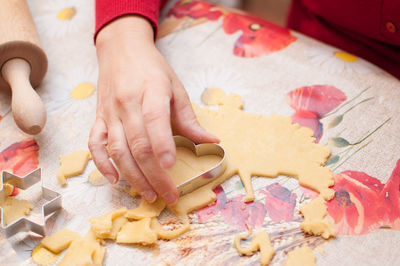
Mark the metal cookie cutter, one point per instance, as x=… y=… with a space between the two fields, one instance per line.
x=53 y=203
x=200 y=150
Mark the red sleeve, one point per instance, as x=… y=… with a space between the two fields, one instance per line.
x=108 y=10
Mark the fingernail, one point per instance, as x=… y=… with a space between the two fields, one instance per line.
x=149 y=196
x=167 y=160
x=170 y=198
x=111 y=179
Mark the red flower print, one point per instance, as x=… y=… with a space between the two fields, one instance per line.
x=235 y=211
x=311 y=103
x=259 y=37
x=363 y=204
x=279 y=202
x=195 y=9
x=20 y=157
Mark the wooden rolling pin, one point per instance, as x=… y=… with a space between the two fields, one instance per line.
x=23 y=64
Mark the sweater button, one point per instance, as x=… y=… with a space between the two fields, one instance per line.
x=391 y=27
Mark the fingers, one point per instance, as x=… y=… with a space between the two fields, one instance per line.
x=185 y=119
x=122 y=157
x=156 y=117
x=142 y=151
x=97 y=146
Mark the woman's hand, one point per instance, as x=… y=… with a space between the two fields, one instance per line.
x=138 y=94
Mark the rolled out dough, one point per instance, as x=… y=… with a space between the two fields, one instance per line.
x=215 y=96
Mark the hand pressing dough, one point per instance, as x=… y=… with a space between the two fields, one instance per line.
x=138 y=232
x=146 y=210
x=43 y=256
x=102 y=226
x=189 y=165
x=215 y=96
x=72 y=164
x=97 y=179
x=301 y=256
x=14 y=208
x=59 y=241
x=260 y=241
x=315 y=220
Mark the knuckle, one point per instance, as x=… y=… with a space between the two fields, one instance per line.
x=141 y=149
x=115 y=150
x=152 y=116
x=124 y=97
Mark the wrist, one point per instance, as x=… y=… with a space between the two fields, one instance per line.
x=130 y=29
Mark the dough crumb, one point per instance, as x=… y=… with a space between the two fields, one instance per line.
x=315 y=220
x=72 y=164
x=97 y=179
x=138 y=232
x=59 y=241
x=260 y=241
x=216 y=96
x=300 y=256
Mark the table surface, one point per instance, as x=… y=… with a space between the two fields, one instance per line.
x=350 y=104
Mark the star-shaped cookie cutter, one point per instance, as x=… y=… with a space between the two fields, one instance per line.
x=24 y=223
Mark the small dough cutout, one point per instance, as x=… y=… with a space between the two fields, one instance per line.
x=72 y=164
x=300 y=256
x=97 y=179
x=59 y=241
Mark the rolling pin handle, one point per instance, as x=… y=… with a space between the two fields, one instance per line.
x=27 y=107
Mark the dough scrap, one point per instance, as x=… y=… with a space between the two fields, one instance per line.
x=138 y=232
x=216 y=96
x=14 y=208
x=260 y=241
x=117 y=224
x=315 y=220
x=97 y=179
x=72 y=164
x=59 y=241
x=43 y=256
x=146 y=210
x=102 y=226
x=83 y=252
x=300 y=256
x=170 y=234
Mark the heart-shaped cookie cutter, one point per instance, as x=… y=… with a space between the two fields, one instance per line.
x=53 y=203
x=200 y=150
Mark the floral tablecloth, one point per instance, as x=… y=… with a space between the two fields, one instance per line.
x=351 y=105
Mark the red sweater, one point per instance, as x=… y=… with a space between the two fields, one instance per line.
x=367 y=28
